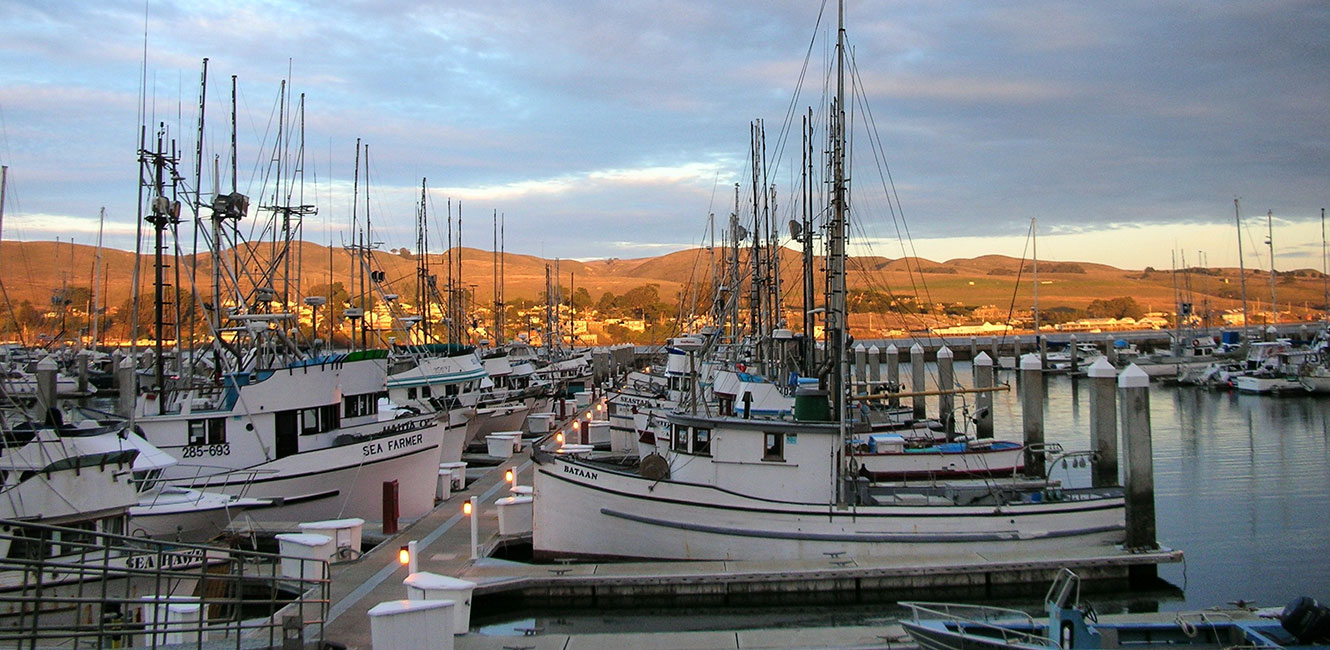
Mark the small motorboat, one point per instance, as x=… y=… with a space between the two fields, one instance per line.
x=1304 y=623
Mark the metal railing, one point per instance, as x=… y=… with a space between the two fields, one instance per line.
x=77 y=588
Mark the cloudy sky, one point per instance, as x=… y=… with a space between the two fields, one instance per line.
x=613 y=128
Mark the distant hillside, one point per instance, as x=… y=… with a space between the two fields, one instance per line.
x=37 y=271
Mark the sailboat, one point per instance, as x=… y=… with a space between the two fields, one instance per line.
x=747 y=487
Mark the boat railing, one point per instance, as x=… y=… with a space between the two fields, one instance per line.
x=991 y=622
x=73 y=587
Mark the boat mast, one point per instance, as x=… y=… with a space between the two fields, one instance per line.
x=494 y=337
x=1242 y=270
x=96 y=274
x=1270 y=241
x=810 y=345
x=836 y=257
x=1325 y=286
x=1034 y=254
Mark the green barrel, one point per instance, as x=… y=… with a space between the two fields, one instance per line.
x=811 y=405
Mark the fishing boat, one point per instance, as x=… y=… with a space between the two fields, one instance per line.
x=739 y=483
x=1304 y=623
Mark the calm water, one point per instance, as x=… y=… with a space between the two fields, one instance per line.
x=1242 y=487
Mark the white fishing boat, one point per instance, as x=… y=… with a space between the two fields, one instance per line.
x=307 y=435
x=736 y=485
x=442 y=379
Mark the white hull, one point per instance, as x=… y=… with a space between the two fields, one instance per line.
x=1253 y=384
x=583 y=510
x=342 y=481
x=1316 y=383
x=190 y=516
x=503 y=417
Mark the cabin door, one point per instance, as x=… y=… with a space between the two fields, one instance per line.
x=288 y=433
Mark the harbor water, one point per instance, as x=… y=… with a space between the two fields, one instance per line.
x=1242 y=487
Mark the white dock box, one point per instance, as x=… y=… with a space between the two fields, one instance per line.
x=499 y=445
x=458 y=470
x=304 y=553
x=345 y=534
x=597 y=432
x=423 y=585
x=443 y=490
x=539 y=423
x=514 y=515
x=522 y=490
x=164 y=616
x=411 y=625
x=582 y=400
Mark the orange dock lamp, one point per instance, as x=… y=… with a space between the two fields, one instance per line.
x=509 y=476
x=469 y=509
x=406 y=555
x=558 y=437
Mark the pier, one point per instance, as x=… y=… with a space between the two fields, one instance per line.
x=443 y=546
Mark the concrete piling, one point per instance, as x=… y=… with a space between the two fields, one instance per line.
x=82 y=361
x=1042 y=343
x=1134 y=402
x=46 y=371
x=1103 y=423
x=894 y=373
x=946 y=380
x=860 y=366
x=974 y=348
x=125 y=380
x=917 y=375
x=874 y=369
x=1075 y=355
x=1032 y=413
x=983 y=413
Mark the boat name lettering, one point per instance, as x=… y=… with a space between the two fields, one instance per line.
x=403 y=427
x=578 y=471
x=373 y=448
x=403 y=443
x=636 y=401
x=172 y=560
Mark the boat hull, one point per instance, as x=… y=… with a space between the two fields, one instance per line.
x=588 y=511
x=927 y=463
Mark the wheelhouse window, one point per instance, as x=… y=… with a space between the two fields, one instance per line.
x=773 y=447
x=679 y=438
x=701 y=441
x=425 y=392
x=358 y=405
x=319 y=419
x=411 y=392
x=207 y=431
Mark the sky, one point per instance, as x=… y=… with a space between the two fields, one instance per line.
x=613 y=129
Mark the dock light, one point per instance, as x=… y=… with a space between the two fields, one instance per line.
x=466 y=508
x=508 y=475
x=404 y=555
x=475 y=525
x=558 y=437
x=577 y=425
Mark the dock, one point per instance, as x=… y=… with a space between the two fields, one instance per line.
x=443 y=539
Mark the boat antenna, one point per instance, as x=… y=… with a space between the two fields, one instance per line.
x=1242 y=270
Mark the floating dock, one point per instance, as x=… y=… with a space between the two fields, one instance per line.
x=443 y=539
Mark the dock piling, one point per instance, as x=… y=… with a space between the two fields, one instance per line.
x=46 y=370
x=860 y=366
x=983 y=413
x=1032 y=413
x=1103 y=423
x=127 y=385
x=894 y=374
x=1075 y=355
x=917 y=374
x=874 y=369
x=1134 y=388
x=946 y=380
x=82 y=358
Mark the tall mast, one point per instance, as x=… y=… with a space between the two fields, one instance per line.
x=810 y=345
x=503 y=304
x=96 y=273
x=452 y=308
x=1034 y=253
x=355 y=254
x=1325 y=284
x=836 y=315
x=4 y=182
x=1270 y=241
x=494 y=337
x=1242 y=270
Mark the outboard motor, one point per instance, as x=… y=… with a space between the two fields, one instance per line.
x=1306 y=619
